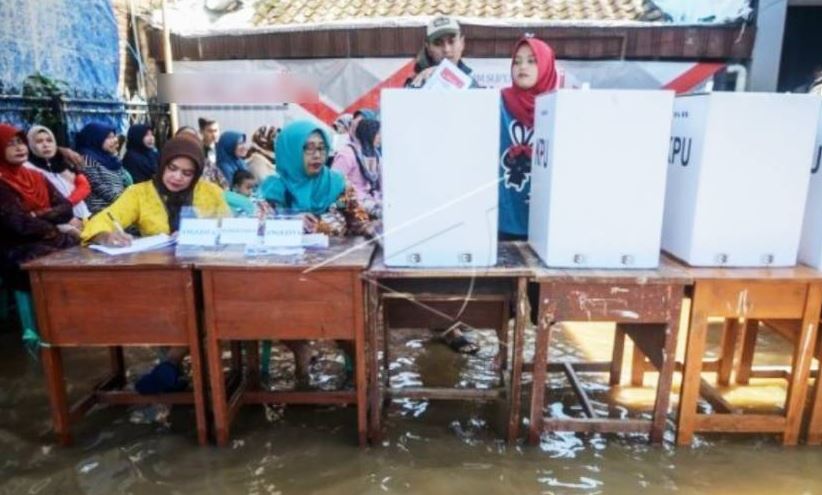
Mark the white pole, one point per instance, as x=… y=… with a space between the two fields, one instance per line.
x=169 y=60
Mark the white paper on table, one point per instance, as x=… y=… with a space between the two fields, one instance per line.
x=137 y=245
x=287 y=233
x=448 y=76
x=315 y=240
x=272 y=250
x=239 y=231
x=198 y=232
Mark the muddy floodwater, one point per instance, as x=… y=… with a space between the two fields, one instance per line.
x=430 y=447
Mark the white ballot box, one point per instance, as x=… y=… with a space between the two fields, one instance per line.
x=440 y=155
x=598 y=177
x=810 y=247
x=738 y=172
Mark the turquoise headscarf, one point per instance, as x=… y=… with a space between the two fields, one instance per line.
x=291 y=186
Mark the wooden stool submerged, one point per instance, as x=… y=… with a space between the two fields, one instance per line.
x=791 y=299
x=645 y=305
x=314 y=295
x=437 y=298
x=88 y=299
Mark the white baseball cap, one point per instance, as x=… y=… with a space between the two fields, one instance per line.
x=440 y=26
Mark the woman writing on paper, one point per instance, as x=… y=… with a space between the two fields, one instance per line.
x=154 y=206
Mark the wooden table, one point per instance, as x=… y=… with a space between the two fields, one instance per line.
x=744 y=296
x=88 y=299
x=314 y=295
x=436 y=298
x=645 y=305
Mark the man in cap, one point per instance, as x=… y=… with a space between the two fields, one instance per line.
x=443 y=40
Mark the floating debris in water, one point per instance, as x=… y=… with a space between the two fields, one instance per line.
x=150 y=414
x=89 y=467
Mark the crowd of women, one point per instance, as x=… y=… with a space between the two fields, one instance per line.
x=53 y=198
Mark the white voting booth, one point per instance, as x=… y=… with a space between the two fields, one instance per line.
x=738 y=172
x=441 y=153
x=810 y=247
x=598 y=177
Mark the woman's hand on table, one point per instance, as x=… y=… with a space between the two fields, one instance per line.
x=310 y=223
x=113 y=239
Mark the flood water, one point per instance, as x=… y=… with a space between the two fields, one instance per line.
x=430 y=447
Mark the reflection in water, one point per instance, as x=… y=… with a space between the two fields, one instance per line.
x=430 y=446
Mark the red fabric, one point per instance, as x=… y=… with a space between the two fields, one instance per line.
x=81 y=190
x=30 y=185
x=520 y=102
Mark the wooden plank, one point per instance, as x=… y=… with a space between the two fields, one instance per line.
x=739 y=423
x=428 y=393
x=694 y=353
x=360 y=363
x=755 y=299
x=579 y=367
x=126 y=398
x=743 y=372
x=607 y=302
x=300 y=397
x=121 y=318
x=801 y=365
x=730 y=334
x=587 y=406
x=521 y=313
x=617 y=355
x=544 y=325
x=715 y=399
x=408 y=314
x=599 y=425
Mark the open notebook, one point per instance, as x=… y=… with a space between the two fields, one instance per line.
x=137 y=245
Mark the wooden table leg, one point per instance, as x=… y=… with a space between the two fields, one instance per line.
x=730 y=334
x=55 y=383
x=372 y=308
x=502 y=335
x=815 y=423
x=692 y=369
x=666 y=373
x=360 y=363
x=743 y=372
x=801 y=365
x=521 y=313
x=253 y=372
x=118 y=365
x=540 y=372
x=617 y=356
x=216 y=375
x=637 y=368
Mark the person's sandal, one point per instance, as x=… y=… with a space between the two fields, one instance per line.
x=458 y=342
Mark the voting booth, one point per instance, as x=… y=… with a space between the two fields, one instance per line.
x=598 y=177
x=738 y=173
x=810 y=247
x=441 y=151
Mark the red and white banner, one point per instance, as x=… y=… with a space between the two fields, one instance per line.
x=345 y=85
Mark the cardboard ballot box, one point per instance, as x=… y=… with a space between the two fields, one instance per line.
x=738 y=172
x=440 y=150
x=598 y=177
x=810 y=247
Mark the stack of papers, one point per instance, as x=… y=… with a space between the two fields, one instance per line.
x=137 y=245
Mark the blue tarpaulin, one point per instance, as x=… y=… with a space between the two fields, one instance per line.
x=75 y=41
